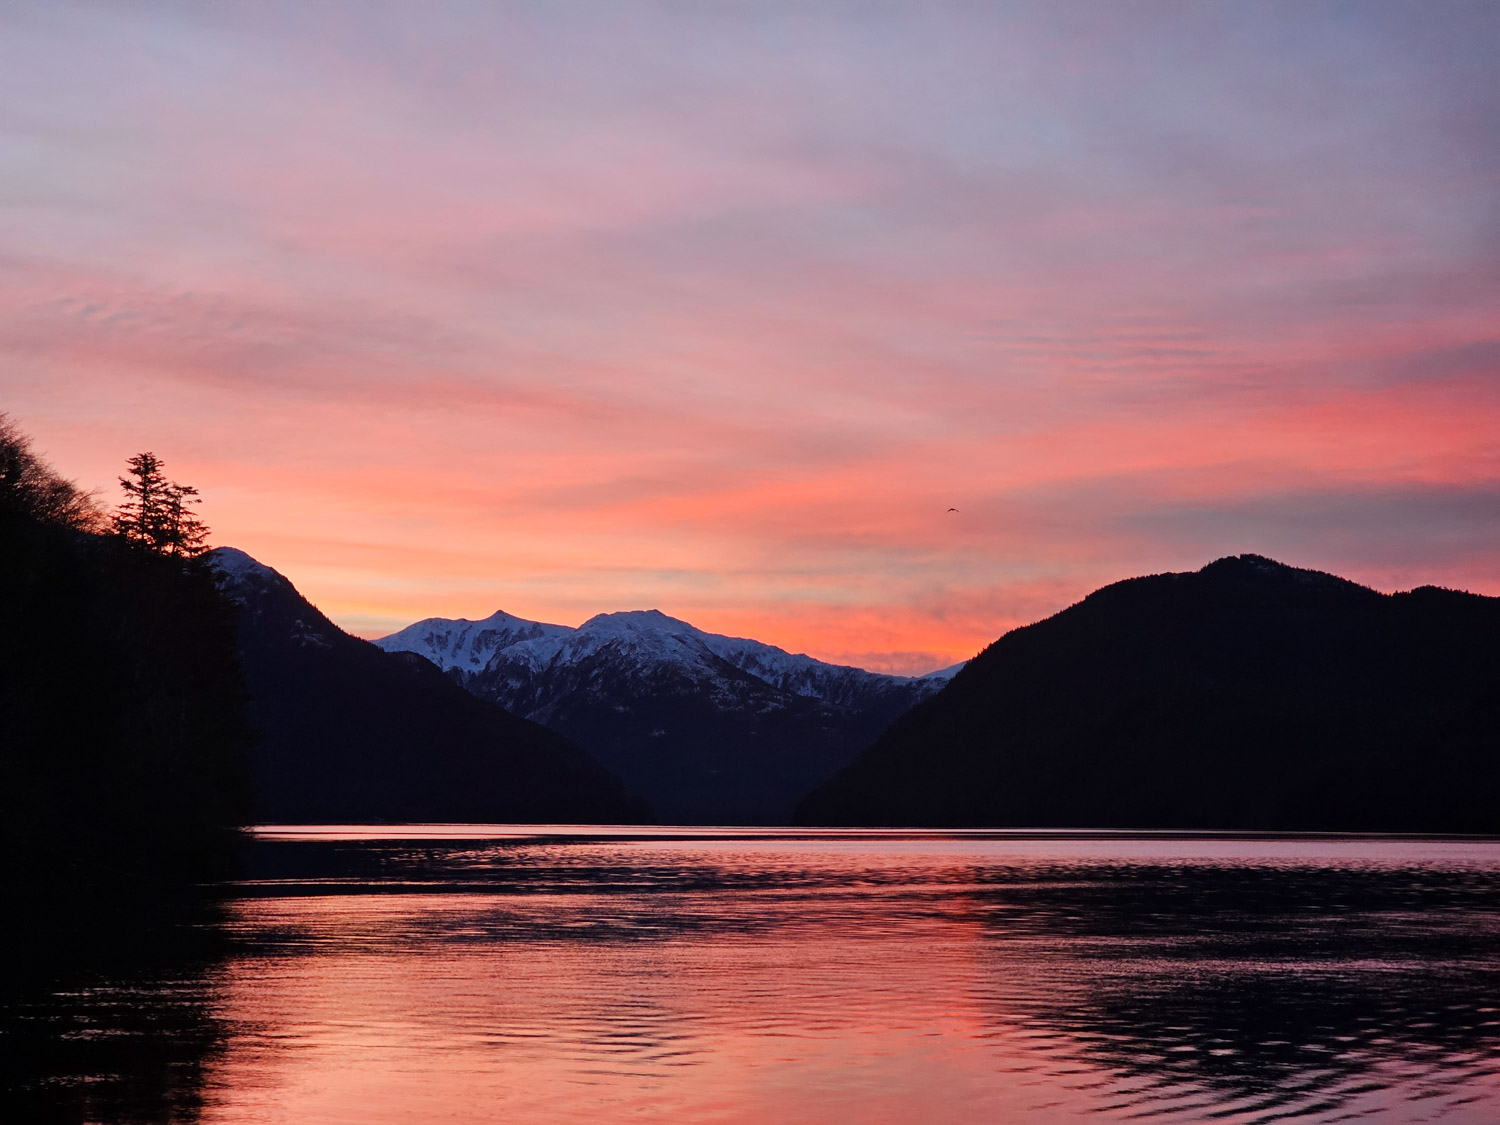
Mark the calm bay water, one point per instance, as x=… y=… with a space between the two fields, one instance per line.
x=588 y=975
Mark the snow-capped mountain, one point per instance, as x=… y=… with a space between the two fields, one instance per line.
x=468 y=645
x=648 y=635
x=708 y=728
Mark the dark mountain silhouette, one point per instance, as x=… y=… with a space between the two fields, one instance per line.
x=121 y=735
x=711 y=729
x=1247 y=695
x=349 y=733
x=122 y=771
x=715 y=747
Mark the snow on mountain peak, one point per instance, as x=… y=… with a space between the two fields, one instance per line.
x=234 y=563
x=240 y=576
x=636 y=621
x=464 y=644
x=642 y=639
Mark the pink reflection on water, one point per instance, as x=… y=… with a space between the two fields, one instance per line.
x=804 y=1030
x=827 y=977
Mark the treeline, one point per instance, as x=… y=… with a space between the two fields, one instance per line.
x=122 y=739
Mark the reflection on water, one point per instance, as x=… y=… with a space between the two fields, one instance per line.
x=894 y=977
x=106 y=1016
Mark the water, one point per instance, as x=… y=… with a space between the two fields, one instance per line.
x=554 y=975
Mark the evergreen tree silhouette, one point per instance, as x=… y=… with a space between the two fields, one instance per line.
x=157 y=513
x=186 y=534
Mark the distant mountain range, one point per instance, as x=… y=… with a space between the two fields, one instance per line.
x=709 y=729
x=349 y=733
x=1246 y=695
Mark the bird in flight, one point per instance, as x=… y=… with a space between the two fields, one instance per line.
x=953 y=509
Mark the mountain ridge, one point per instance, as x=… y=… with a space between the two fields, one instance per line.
x=1245 y=695
x=469 y=643
x=709 y=728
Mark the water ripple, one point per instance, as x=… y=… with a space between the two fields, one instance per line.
x=901 y=978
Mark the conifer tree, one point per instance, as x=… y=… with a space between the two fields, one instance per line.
x=156 y=512
x=185 y=532
x=140 y=516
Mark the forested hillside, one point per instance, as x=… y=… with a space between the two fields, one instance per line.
x=122 y=741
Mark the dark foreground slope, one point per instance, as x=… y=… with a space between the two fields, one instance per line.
x=121 y=734
x=348 y=733
x=1247 y=695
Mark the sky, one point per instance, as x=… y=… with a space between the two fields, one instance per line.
x=718 y=308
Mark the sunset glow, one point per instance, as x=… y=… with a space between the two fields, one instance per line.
x=565 y=309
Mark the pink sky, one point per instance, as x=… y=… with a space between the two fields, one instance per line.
x=565 y=309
